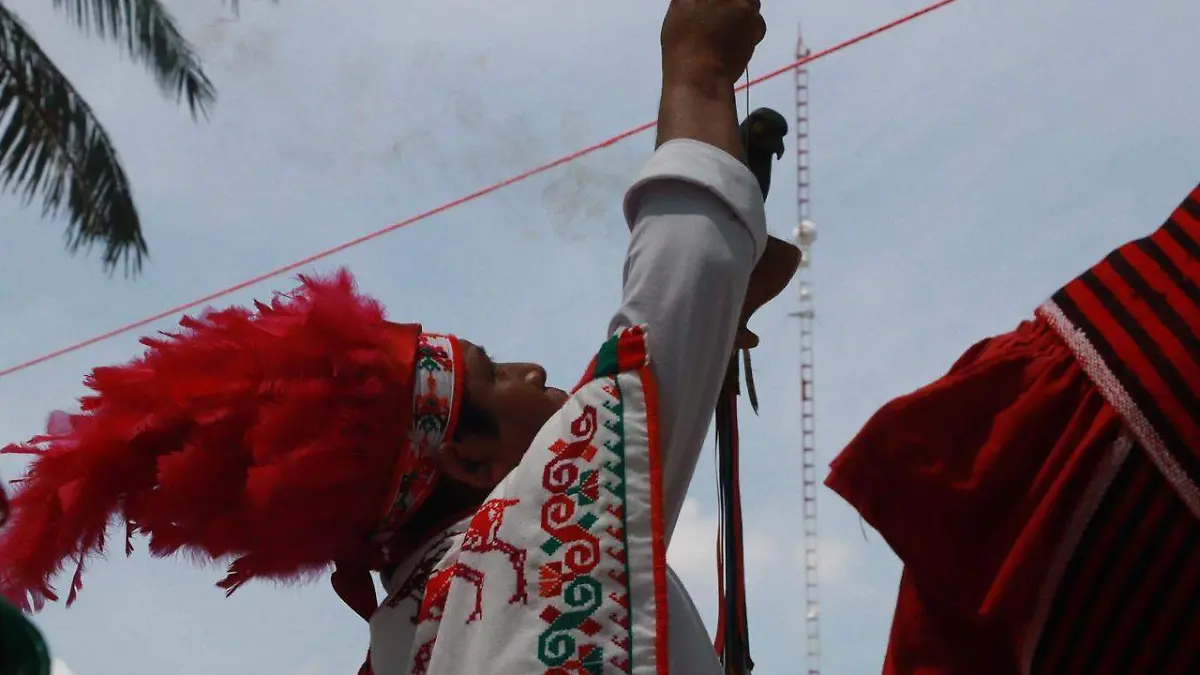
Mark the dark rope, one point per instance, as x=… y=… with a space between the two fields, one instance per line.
x=762 y=133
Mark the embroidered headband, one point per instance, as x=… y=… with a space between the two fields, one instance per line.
x=437 y=396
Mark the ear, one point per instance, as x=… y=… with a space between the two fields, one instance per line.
x=457 y=462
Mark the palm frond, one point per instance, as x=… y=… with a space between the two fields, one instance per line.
x=148 y=34
x=53 y=146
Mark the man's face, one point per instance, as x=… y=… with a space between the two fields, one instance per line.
x=516 y=398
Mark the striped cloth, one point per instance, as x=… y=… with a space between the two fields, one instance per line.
x=1128 y=601
x=1042 y=494
x=1133 y=320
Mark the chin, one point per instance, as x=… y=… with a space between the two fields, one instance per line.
x=559 y=397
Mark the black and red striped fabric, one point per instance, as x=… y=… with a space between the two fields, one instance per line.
x=1128 y=600
x=1140 y=310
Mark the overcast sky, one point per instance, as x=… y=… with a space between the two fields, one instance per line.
x=964 y=166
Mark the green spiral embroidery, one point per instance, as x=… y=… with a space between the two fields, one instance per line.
x=556 y=646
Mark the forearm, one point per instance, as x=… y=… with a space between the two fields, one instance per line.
x=701 y=108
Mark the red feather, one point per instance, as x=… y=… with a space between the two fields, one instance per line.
x=263 y=437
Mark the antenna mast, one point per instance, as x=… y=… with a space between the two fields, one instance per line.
x=805 y=235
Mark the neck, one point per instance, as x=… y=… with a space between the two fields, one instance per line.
x=450 y=502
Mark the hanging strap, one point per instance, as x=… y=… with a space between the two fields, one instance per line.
x=733 y=639
x=762 y=137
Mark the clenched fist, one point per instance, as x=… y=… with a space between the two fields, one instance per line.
x=711 y=39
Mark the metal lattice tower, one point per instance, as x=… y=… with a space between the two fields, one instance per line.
x=804 y=237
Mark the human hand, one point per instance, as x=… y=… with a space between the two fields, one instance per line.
x=707 y=40
x=772 y=274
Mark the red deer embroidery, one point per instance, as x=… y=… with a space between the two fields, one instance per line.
x=413 y=587
x=483 y=536
x=437 y=591
x=422 y=657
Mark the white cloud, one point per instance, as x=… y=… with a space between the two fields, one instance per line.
x=771 y=560
x=774 y=550
x=693 y=545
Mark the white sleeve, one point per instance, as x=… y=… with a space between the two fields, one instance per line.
x=698 y=228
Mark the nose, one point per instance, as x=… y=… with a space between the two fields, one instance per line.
x=533 y=374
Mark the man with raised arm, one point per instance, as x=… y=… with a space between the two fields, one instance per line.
x=520 y=528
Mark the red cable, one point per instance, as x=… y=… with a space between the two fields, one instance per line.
x=449 y=205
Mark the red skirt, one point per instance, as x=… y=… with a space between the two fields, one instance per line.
x=1008 y=489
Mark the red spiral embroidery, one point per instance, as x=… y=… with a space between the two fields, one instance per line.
x=561 y=473
x=583 y=548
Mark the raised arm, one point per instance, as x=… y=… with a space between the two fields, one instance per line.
x=698 y=227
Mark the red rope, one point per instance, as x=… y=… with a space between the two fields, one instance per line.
x=449 y=205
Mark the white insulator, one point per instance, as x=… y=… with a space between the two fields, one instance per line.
x=806 y=293
x=805 y=234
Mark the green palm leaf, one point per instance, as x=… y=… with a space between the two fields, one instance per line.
x=52 y=145
x=148 y=34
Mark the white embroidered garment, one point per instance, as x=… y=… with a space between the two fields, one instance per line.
x=589 y=512
x=588 y=595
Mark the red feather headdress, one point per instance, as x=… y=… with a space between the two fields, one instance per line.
x=283 y=439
